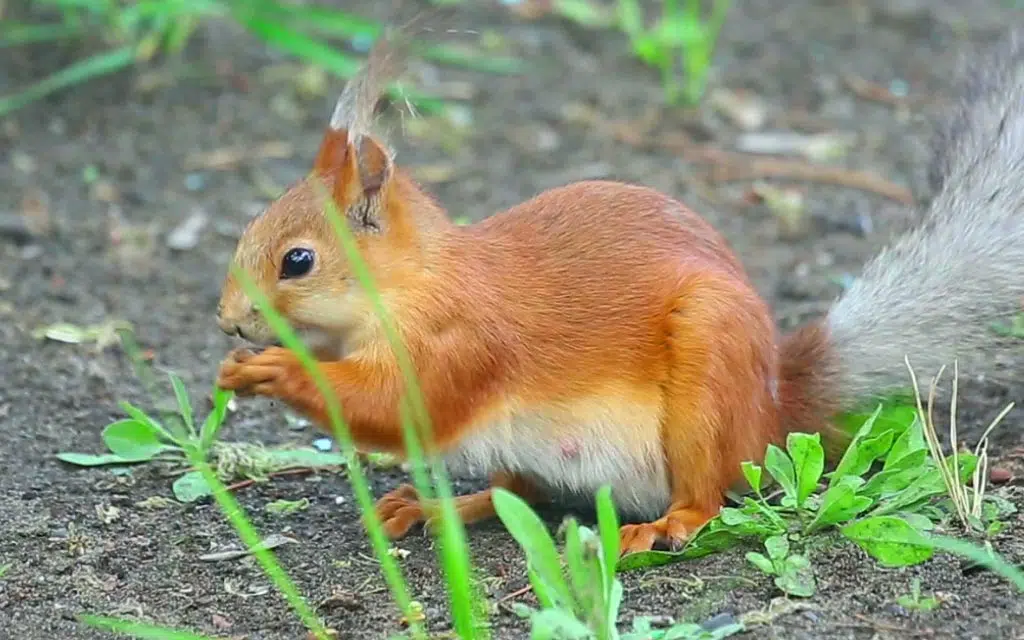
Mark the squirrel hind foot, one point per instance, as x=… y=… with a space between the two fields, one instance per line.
x=402 y=509
x=671 y=530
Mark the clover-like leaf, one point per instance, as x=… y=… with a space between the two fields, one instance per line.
x=777 y=546
x=191 y=487
x=761 y=562
x=796 y=577
x=133 y=440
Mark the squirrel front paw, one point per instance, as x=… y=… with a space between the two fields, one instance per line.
x=275 y=372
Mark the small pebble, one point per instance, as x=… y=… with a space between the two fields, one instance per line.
x=323 y=444
x=195 y=181
x=186 y=235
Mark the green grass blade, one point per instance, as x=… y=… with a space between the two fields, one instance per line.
x=234 y=513
x=454 y=550
x=16 y=35
x=139 y=629
x=184 y=403
x=302 y=46
x=993 y=562
x=92 y=67
x=215 y=420
x=360 y=486
x=317 y=19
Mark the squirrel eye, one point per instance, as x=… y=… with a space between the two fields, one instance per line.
x=297 y=263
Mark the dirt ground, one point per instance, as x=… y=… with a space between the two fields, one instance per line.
x=113 y=165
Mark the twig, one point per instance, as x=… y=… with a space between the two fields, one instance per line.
x=515 y=594
x=733 y=167
x=882 y=626
x=230 y=157
x=868 y=90
x=736 y=166
x=273 y=474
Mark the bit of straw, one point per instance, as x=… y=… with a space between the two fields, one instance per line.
x=966 y=500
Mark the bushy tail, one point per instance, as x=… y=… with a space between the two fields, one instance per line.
x=934 y=293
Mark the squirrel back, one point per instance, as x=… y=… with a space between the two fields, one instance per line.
x=932 y=294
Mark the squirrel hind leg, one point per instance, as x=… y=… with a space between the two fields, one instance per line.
x=401 y=509
x=719 y=406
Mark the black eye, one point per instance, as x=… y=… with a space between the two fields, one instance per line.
x=297 y=263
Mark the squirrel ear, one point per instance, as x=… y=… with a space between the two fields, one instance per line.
x=357 y=174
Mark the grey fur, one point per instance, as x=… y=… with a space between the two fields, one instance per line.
x=932 y=295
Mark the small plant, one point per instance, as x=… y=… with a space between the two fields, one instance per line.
x=142 y=438
x=884 y=495
x=793 y=572
x=913 y=600
x=968 y=501
x=681 y=32
x=582 y=599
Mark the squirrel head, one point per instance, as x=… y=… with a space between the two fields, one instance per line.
x=291 y=250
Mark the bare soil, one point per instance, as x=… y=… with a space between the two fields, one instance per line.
x=112 y=164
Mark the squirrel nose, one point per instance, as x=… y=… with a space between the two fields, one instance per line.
x=228 y=327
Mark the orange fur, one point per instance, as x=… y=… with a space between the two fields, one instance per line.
x=607 y=321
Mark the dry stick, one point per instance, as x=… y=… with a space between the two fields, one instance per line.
x=515 y=594
x=273 y=474
x=739 y=168
x=928 y=427
x=736 y=166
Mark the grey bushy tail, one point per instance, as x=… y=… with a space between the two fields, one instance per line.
x=933 y=294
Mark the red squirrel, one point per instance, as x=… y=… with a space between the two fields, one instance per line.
x=604 y=333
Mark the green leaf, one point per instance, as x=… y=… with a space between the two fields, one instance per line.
x=781 y=468
x=898 y=477
x=892 y=541
x=90 y=460
x=761 y=562
x=861 y=455
x=908 y=443
x=184 y=404
x=529 y=531
x=734 y=517
x=191 y=487
x=928 y=483
x=215 y=420
x=777 y=546
x=840 y=503
x=143 y=417
x=133 y=440
x=808 y=461
x=796 y=577
x=557 y=624
x=752 y=473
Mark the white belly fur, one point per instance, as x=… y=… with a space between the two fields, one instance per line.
x=574 y=449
